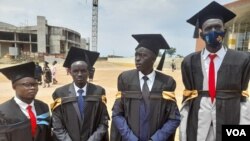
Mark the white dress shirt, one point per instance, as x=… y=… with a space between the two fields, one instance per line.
x=217 y=60
x=84 y=90
x=23 y=106
x=150 y=82
x=207 y=113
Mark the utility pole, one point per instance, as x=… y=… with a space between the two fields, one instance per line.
x=94 y=25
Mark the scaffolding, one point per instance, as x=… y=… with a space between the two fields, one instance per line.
x=94 y=25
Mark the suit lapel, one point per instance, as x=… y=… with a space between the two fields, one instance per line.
x=157 y=83
x=38 y=108
x=89 y=89
x=16 y=109
x=197 y=74
x=136 y=81
x=73 y=93
x=39 y=111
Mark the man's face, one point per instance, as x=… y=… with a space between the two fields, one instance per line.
x=26 y=89
x=144 y=60
x=212 y=25
x=79 y=72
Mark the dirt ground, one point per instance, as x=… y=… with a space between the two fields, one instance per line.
x=106 y=75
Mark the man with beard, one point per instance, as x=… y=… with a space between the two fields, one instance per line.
x=145 y=107
x=24 y=118
x=215 y=80
x=79 y=111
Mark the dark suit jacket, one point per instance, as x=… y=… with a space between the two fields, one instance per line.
x=66 y=119
x=12 y=111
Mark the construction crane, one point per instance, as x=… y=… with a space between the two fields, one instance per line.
x=94 y=25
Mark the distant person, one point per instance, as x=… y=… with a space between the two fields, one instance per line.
x=91 y=74
x=38 y=73
x=24 y=118
x=79 y=112
x=47 y=74
x=145 y=108
x=173 y=66
x=215 y=80
x=67 y=71
x=53 y=70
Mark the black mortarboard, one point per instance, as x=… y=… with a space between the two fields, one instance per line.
x=153 y=42
x=17 y=72
x=212 y=10
x=79 y=54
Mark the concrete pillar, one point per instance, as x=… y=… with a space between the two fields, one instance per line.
x=232 y=41
x=0 y=50
x=41 y=34
x=17 y=50
x=248 y=44
x=232 y=38
x=30 y=43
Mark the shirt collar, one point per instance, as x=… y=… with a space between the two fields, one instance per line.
x=77 y=88
x=220 y=53
x=150 y=76
x=22 y=104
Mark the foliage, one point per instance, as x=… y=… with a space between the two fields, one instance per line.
x=171 y=52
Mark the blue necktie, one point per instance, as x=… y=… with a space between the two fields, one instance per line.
x=80 y=101
x=144 y=111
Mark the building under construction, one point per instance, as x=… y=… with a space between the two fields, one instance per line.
x=38 y=40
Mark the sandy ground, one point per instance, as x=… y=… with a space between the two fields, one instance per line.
x=106 y=76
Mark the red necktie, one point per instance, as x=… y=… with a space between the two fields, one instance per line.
x=211 y=77
x=32 y=121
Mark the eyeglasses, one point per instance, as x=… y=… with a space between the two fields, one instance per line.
x=28 y=85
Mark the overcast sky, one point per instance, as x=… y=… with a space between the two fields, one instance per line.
x=118 y=20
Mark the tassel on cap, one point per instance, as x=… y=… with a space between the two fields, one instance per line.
x=161 y=63
x=196 y=30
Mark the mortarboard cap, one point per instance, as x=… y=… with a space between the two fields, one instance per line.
x=17 y=72
x=153 y=42
x=212 y=10
x=92 y=57
x=79 y=54
x=161 y=63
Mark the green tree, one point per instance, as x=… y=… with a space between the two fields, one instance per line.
x=171 y=51
x=179 y=56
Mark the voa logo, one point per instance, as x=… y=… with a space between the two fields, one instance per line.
x=236 y=132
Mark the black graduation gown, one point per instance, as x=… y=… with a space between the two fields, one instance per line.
x=160 y=109
x=232 y=79
x=66 y=118
x=19 y=131
x=12 y=112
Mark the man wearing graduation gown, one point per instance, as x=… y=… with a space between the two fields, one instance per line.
x=79 y=111
x=145 y=109
x=215 y=80
x=26 y=118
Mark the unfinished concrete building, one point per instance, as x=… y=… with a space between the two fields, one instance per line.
x=41 y=39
